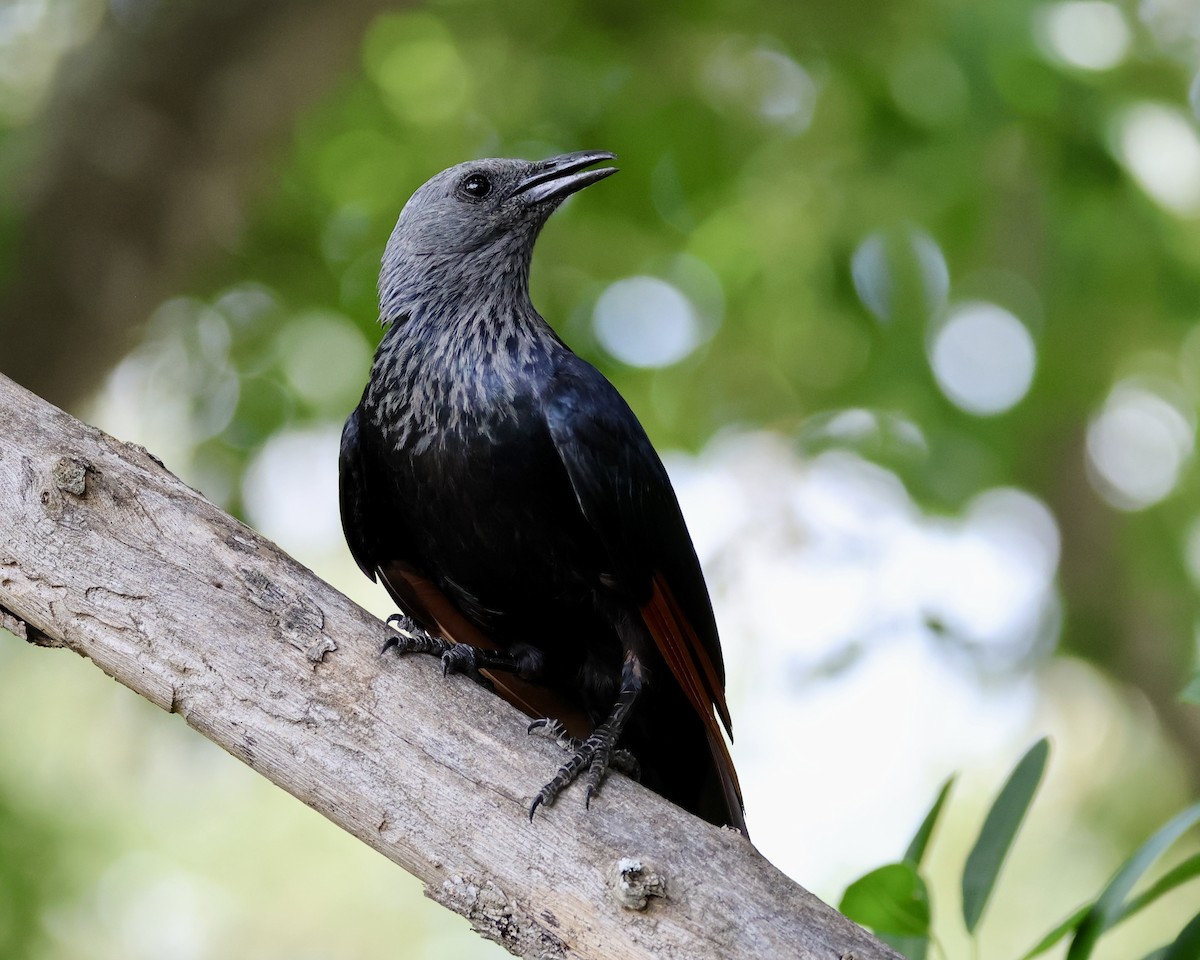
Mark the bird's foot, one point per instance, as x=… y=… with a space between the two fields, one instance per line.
x=550 y=729
x=598 y=752
x=462 y=658
x=409 y=637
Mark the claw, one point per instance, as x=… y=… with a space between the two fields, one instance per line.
x=588 y=753
x=596 y=753
x=402 y=625
x=596 y=771
x=463 y=658
x=456 y=657
x=552 y=729
x=410 y=638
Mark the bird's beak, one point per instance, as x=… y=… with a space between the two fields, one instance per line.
x=557 y=177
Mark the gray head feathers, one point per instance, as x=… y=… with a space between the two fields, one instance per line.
x=475 y=224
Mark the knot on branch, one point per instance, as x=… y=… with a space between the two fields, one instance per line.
x=70 y=475
x=633 y=883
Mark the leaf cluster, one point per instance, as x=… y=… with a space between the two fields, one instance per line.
x=894 y=900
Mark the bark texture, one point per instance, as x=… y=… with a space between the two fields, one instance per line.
x=104 y=551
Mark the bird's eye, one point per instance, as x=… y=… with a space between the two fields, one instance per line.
x=476 y=186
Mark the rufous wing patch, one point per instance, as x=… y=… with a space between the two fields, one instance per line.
x=695 y=672
x=423 y=600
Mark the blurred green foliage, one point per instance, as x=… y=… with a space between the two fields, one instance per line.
x=32 y=876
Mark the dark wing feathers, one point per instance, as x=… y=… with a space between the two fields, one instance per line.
x=354 y=500
x=418 y=596
x=625 y=494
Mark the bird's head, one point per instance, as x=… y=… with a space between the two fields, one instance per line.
x=475 y=224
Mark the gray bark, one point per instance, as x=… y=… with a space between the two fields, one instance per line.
x=105 y=552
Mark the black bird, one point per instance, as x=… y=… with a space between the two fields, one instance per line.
x=509 y=500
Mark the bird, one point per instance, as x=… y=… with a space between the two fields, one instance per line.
x=511 y=503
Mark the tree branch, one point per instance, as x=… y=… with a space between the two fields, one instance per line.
x=107 y=553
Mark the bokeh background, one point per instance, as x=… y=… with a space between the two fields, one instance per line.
x=908 y=294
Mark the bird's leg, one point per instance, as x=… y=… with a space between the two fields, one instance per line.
x=596 y=753
x=463 y=658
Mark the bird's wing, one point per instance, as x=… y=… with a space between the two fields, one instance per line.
x=371 y=525
x=354 y=499
x=625 y=494
x=376 y=543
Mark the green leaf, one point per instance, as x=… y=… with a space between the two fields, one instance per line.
x=1186 y=946
x=914 y=948
x=1191 y=693
x=1178 y=875
x=916 y=850
x=1067 y=926
x=1110 y=906
x=917 y=947
x=999 y=829
x=890 y=900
